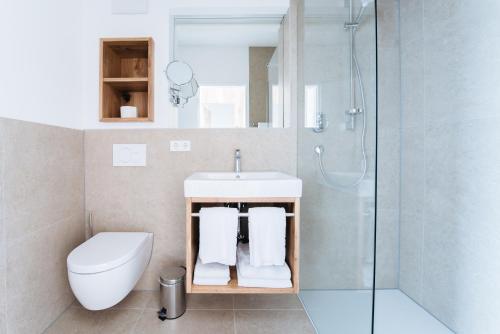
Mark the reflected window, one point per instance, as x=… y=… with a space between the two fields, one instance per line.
x=276 y=117
x=311 y=105
x=223 y=106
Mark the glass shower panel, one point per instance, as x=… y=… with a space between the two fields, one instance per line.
x=336 y=147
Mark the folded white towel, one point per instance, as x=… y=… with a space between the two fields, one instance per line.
x=267 y=234
x=264 y=283
x=210 y=281
x=247 y=271
x=211 y=270
x=218 y=233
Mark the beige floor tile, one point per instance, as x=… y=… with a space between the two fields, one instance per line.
x=136 y=300
x=198 y=302
x=118 y=321
x=192 y=322
x=273 y=322
x=210 y=302
x=76 y=303
x=75 y=320
x=267 y=302
x=206 y=314
x=154 y=301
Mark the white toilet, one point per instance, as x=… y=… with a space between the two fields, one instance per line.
x=105 y=268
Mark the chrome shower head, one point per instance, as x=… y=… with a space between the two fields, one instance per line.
x=364 y=4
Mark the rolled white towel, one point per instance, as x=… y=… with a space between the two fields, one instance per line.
x=218 y=235
x=267 y=234
x=247 y=271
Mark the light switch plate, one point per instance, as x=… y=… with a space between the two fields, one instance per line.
x=180 y=145
x=129 y=155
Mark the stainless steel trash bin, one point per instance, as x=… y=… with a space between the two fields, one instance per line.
x=172 y=293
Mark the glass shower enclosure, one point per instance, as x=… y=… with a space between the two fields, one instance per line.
x=337 y=163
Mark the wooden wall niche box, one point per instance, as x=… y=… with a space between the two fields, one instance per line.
x=193 y=206
x=126 y=78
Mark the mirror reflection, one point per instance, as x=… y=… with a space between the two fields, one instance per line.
x=238 y=63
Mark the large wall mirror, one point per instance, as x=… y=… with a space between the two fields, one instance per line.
x=239 y=66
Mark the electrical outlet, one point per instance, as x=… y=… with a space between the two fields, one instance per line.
x=180 y=146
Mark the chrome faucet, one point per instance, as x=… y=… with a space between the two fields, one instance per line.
x=237 y=162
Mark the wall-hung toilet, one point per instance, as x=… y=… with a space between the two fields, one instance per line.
x=105 y=268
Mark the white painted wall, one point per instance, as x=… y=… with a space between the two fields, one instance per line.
x=51 y=67
x=99 y=22
x=213 y=66
x=41 y=77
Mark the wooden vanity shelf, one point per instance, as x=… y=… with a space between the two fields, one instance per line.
x=193 y=206
x=126 y=73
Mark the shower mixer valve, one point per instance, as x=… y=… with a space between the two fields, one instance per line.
x=321 y=123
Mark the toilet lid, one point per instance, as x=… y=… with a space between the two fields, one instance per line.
x=105 y=251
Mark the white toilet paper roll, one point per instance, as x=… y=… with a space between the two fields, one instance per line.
x=128 y=112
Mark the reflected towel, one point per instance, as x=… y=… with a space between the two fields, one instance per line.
x=218 y=234
x=267 y=234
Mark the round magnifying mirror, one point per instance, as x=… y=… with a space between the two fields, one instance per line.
x=188 y=91
x=179 y=72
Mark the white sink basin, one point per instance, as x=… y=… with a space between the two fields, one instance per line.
x=246 y=184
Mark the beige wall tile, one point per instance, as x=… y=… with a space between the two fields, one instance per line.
x=3 y=240
x=42 y=215
x=151 y=198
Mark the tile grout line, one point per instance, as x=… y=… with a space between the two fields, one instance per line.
x=304 y=308
x=133 y=329
x=58 y=317
x=235 y=330
x=32 y=233
x=400 y=186
x=234 y=315
x=424 y=211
